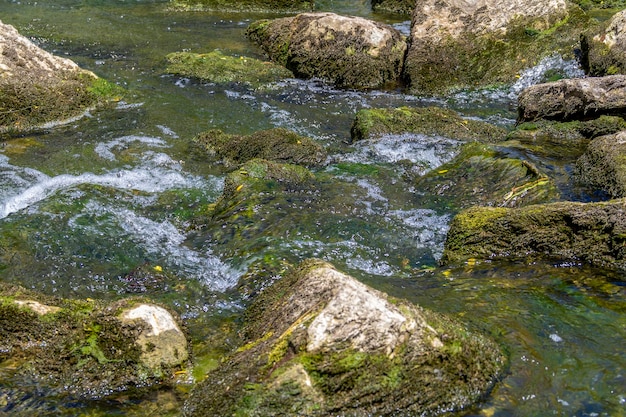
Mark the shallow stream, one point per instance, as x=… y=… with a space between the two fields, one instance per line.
x=84 y=204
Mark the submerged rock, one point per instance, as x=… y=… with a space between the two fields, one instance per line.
x=564 y=139
x=604 y=53
x=322 y=343
x=603 y=165
x=278 y=145
x=350 y=52
x=574 y=99
x=374 y=123
x=218 y=68
x=459 y=44
x=394 y=6
x=564 y=232
x=481 y=175
x=86 y=349
x=38 y=88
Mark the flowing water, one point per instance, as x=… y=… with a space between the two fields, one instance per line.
x=84 y=204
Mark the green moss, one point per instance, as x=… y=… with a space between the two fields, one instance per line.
x=486 y=60
x=373 y=123
x=219 y=68
x=278 y=145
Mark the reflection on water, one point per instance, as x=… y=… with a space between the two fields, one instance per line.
x=85 y=206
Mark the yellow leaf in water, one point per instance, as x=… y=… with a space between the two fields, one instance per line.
x=239 y=187
x=443 y=171
x=158 y=268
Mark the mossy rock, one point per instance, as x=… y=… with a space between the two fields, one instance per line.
x=83 y=349
x=349 y=52
x=563 y=232
x=564 y=139
x=481 y=175
x=321 y=343
x=374 y=123
x=603 y=165
x=277 y=145
x=268 y=6
x=38 y=89
x=218 y=68
x=604 y=48
x=478 y=60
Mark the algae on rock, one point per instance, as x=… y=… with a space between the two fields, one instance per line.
x=269 y=6
x=373 y=123
x=278 y=145
x=86 y=349
x=603 y=165
x=320 y=342
x=481 y=175
x=38 y=89
x=564 y=232
x=218 y=68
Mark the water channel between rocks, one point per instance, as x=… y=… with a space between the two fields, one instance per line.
x=84 y=204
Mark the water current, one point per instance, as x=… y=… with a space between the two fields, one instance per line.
x=84 y=204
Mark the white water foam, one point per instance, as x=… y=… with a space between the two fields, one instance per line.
x=427 y=228
x=427 y=151
x=160 y=239
x=105 y=149
x=157 y=173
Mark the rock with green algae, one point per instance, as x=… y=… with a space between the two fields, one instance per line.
x=350 y=52
x=574 y=99
x=38 y=89
x=603 y=165
x=457 y=44
x=604 y=50
x=374 y=123
x=86 y=349
x=563 y=232
x=271 y=6
x=278 y=145
x=404 y=7
x=321 y=343
x=218 y=68
x=564 y=139
x=481 y=175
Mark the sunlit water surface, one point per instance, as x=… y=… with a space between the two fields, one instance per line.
x=85 y=204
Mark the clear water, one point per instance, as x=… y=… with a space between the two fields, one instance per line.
x=85 y=204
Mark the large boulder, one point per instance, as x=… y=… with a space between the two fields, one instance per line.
x=38 y=88
x=564 y=232
x=86 y=349
x=604 y=53
x=321 y=343
x=603 y=165
x=574 y=99
x=459 y=43
x=349 y=52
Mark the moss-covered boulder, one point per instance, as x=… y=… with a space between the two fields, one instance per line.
x=86 y=349
x=218 y=68
x=604 y=52
x=350 y=52
x=321 y=343
x=483 y=175
x=460 y=44
x=374 y=123
x=564 y=139
x=574 y=99
x=39 y=89
x=269 y=6
x=603 y=165
x=564 y=232
x=278 y=145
